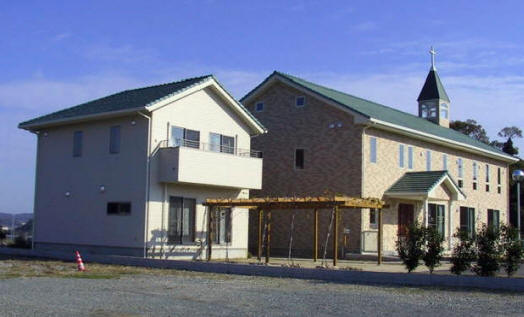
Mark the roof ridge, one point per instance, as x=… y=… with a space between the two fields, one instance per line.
x=164 y=84
x=295 y=78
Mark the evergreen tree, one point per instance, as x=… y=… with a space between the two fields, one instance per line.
x=410 y=247
x=512 y=250
x=464 y=252
x=434 y=248
x=488 y=251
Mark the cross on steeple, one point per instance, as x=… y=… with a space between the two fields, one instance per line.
x=433 y=53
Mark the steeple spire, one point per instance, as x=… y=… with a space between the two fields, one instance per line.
x=433 y=53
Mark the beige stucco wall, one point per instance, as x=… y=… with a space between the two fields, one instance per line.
x=206 y=112
x=378 y=177
x=82 y=218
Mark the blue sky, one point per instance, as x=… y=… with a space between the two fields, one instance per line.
x=56 y=54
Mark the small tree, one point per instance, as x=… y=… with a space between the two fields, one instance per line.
x=489 y=254
x=410 y=247
x=464 y=252
x=434 y=249
x=512 y=251
x=2 y=236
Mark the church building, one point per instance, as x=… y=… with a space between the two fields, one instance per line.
x=322 y=140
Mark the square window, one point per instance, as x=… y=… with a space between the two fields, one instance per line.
x=499 y=190
x=487 y=187
x=474 y=186
x=300 y=101
x=460 y=183
x=259 y=107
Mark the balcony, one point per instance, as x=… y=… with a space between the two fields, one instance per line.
x=209 y=164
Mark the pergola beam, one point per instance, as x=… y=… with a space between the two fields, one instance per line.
x=298 y=202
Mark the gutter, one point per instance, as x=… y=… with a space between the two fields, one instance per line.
x=148 y=180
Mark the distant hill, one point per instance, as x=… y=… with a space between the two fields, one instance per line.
x=5 y=219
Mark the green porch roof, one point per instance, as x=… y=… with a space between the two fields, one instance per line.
x=418 y=182
x=377 y=111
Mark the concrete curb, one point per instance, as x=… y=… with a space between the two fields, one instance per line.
x=337 y=276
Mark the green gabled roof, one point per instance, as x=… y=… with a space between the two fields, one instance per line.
x=433 y=88
x=129 y=100
x=380 y=112
x=418 y=182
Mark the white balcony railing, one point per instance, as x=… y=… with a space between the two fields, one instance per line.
x=210 y=147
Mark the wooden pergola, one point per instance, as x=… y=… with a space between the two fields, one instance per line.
x=270 y=204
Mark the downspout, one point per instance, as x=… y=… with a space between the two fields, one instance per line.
x=148 y=180
x=36 y=188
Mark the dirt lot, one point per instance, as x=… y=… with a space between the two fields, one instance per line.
x=52 y=288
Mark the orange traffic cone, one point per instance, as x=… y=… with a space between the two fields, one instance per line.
x=79 y=262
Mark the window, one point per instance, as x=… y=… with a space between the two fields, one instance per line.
x=432 y=111
x=475 y=175
x=119 y=209
x=410 y=157
x=499 y=187
x=428 y=160
x=299 y=158
x=460 y=168
x=436 y=218
x=460 y=183
x=77 y=143
x=259 y=107
x=221 y=143
x=300 y=101
x=373 y=149
x=487 y=173
x=493 y=218
x=401 y=155
x=444 y=162
x=373 y=216
x=184 y=137
x=424 y=111
x=181 y=220
x=114 y=139
x=222 y=226
x=444 y=110
x=467 y=220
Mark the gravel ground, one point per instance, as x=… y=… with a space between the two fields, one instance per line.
x=201 y=294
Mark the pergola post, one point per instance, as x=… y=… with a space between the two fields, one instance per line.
x=209 y=228
x=335 y=238
x=268 y=236
x=315 y=235
x=379 y=238
x=260 y=220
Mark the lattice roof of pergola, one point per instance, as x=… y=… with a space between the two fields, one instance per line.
x=298 y=202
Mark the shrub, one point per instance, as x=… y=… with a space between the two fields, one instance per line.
x=464 y=252
x=3 y=235
x=21 y=242
x=488 y=251
x=433 y=250
x=512 y=251
x=410 y=247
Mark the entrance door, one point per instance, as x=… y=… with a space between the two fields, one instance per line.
x=405 y=218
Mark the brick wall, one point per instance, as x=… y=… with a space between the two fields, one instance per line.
x=332 y=163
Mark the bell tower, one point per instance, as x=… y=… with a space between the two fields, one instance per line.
x=433 y=101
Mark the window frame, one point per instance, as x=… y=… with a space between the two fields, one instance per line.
x=444 y=162
x=467 y=214
x=373 y=149
x=437 y=218
x=373 y=217
x=493 y=217
x=78 y=143
x=401 y=155
x=115 y=135
x=296 y=101
x=460 y=168
x=410 y=157
x=124 y=208
x=297 y=165
x=428 y=160
x=261 y=109
x=226 y=215
x=174 y=237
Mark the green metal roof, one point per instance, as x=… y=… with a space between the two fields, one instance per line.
x=130 y=99
x=433 y=88
x=418 y=182
x=377 y=111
